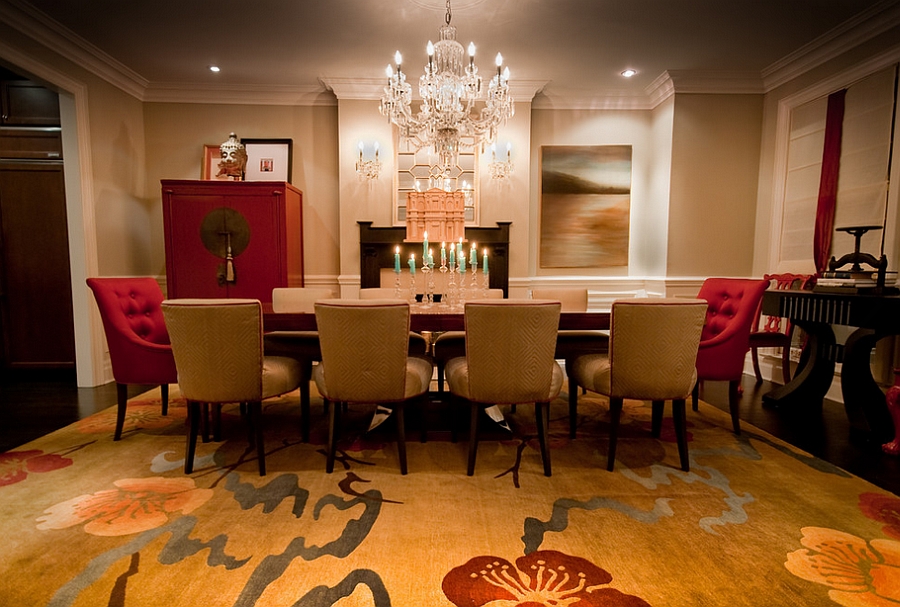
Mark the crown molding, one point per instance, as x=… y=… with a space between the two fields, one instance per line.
x=872 y=22
x=31 y=22
x=369 y=89
x=238 y=94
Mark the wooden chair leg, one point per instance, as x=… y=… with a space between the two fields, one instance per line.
x=440 y=376
x=680 y=421
x=475 y=410
x=193 y=428
x=754 y=356
x=332 y=423
x=542 y=418
x=615 y=414
x=401 y=436
x=573 y=408
x=656 y=417
x=122 y=402
x=164 y=392
x=217 y=422
x=695 y=396
x=254 y=414
x=734 y=402
x=305 y=377
x=204 y=422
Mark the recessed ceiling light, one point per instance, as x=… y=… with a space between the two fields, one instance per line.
x=214 y=68
x=629 y=73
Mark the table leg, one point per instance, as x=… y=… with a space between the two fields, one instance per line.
x=812 y=380
x=863 y=399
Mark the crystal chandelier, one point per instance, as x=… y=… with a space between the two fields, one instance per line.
x=456 y=114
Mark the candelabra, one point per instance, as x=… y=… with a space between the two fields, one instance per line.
x=428 y=279
x=461 y=270
x=412 y=285
x=397 y=291
x=485 y=283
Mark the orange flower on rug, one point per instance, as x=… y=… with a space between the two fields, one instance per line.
x=859 y=573
x=16 y=465
x=136 y=505
x=544 y=577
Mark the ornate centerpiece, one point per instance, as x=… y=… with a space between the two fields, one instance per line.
x=440 y=213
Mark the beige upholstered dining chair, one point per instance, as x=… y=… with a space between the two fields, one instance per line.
x=418 y=344
x=509 y=360
x=379 y=293
x=364 y=360
x=452 y=344
x=303 y=346
x=571 y=343
x=652 y=355
x=218 y=348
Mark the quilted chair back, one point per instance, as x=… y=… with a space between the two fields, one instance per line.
x=571 y=298
x=378 y=293
x=729 y=318
x=364 y=349
x=653 y=347
x=135 y=329
x=510 y=347
x=297 y=300
x=218 y=348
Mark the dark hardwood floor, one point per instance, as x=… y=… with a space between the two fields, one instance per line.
x=31 y=407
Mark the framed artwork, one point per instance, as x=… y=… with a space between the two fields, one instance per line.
x=210 y=167
x=268 y=159
x=585 y=206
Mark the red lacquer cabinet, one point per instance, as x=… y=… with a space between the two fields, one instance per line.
x=232 y=238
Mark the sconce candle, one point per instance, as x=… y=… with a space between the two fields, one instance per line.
x=484 y=262
x=397 y=260
x=412 y=264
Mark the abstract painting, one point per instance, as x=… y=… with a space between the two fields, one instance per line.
x=585 y=206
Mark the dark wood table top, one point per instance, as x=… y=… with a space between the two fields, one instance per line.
x=430 y=321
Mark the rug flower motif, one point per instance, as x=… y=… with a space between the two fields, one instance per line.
x=542 y=578
x=859 y=573
x=144 y=416
x=882 y=508
x=16 y=465
x=136 y=505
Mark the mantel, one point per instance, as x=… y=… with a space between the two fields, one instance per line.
x=377 y=247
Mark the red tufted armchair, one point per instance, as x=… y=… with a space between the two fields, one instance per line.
x=731 y=311
x=136 y=333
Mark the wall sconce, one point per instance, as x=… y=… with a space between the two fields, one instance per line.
x=498 y=168
x=368 y=169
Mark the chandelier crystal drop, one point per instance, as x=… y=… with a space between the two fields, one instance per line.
x=456 y=113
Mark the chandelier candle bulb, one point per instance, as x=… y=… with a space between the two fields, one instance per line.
x=397 y=260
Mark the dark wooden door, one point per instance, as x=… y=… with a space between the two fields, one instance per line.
x=35 y=282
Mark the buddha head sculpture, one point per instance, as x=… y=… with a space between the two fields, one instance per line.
x=234 y=158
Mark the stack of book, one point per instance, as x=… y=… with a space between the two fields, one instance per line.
x=852 y=282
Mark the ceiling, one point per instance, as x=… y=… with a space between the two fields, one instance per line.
x=561 y=49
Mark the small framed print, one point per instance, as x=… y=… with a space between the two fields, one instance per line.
x=268 y=159
x=210 y=167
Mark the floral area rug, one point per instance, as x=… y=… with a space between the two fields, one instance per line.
x=87 y=521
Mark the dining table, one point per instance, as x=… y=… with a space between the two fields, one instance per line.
x=434 y=318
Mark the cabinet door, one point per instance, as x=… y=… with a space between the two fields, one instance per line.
x=25 y=103
x=261 y=265
x=191 y=269
x=36 y=302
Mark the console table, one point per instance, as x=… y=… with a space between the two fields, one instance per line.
x=875 y=317
x=377 y=246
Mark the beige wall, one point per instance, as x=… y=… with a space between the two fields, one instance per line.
x=177 y=132
x=715 y=167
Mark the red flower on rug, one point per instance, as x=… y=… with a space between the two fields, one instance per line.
x=541 y=579
x=859 y=573
x=136 y=505
x=16 y=465
x=882 y=508
x=137 y=416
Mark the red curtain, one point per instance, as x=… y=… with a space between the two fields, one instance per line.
x=828 y=183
